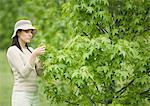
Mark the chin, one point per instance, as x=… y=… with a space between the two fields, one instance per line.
x=28 y=41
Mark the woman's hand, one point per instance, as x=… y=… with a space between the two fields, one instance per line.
x=39 y=51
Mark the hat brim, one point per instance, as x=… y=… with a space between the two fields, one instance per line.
x=24 y=28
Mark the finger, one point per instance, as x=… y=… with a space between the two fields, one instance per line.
x=42 y=52
x=43 y=48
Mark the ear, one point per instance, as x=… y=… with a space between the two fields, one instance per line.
x=18 y=33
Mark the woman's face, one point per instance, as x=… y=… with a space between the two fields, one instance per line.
x=25 y=35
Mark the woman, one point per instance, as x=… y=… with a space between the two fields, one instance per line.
x=24 y=65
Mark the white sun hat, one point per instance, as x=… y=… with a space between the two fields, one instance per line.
x=24 y=25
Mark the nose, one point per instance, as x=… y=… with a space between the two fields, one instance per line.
x=30 y=34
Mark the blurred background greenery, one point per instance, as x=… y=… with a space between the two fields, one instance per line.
x=6 y=80
x=44 y=14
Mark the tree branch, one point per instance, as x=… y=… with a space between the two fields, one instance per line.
x=71 y=103
x=144 y=92
x=100 y=29
x=85 y=33
x=125 y=87
x=96 y=86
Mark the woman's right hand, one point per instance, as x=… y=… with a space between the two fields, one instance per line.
x=39 y=51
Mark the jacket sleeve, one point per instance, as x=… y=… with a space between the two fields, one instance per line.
x=17 y=64
x=39 y=68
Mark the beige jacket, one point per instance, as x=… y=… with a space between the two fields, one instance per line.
x=25 y=75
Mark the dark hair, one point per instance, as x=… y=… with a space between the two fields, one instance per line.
x=15 y=42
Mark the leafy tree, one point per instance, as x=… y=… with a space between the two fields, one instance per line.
x=107 y=60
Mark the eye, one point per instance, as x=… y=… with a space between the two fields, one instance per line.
x=27 y=31
x=33 y=32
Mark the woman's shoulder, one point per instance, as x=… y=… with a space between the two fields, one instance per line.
x=12 y=49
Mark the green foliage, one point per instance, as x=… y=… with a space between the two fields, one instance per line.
x=107 y=60
x=98 y=51
x=97 y=71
